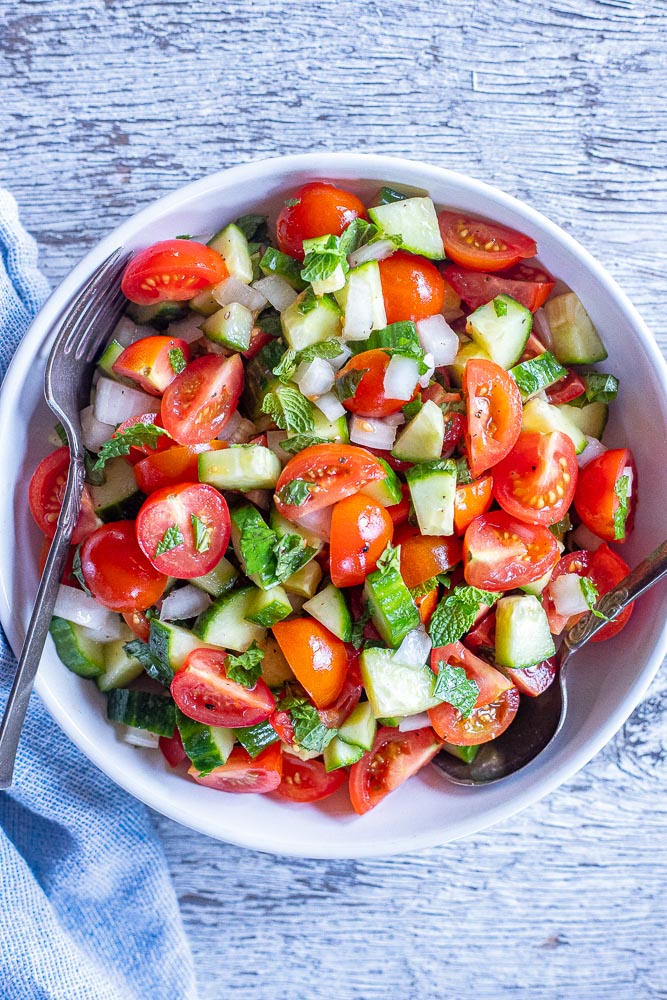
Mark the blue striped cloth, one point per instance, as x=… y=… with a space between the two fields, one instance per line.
x=87 y=909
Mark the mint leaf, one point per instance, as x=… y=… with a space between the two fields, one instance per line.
x=356 y=234
x=463 y=476
x=358 y=626
x=308 y=302
x=590 y=592
x=269 y=322
x=202 y=534
x=256 y=544
x=291 y=202
x=172 y=538
x=309 y=730
x=560 y=528
x=456 y=613
x=424 y=588
x=77 y=571
x=291 y=553
x=323 y=257
x=500 y=307
x=453 y=686
x=293 y=445
x=252 y=226
x=289 y=410
x=286 y=367
x=390 y=560
x=412 y=408
x=295 y=492
x=622 y=490
x=291 y=359
x=346 y=382
x=139 y=435
x=177 y=360
x=245 y=669
x=600 y=388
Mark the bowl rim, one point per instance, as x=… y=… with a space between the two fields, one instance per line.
x=326 y=165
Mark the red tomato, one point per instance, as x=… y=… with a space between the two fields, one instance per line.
x=566 y=389
x=335 y=471
x=243 y=774
x=282 y=723
x=258 y=340
x=531 y=286
x=317 y=657
x=455 y=422
x=200 y=401
x=480 y=245
x=537 y=480
x=149 y=362
x=184 y=530
x=490 y=681
x=369 y=399
x=116 y=571
x=360 y=531
x=316 y=209
x=393 y=758
x=203 y=691
x=596 y=500
x=412 y=287
x=501 y=553
x=494 y=413
x=47 y=491
x=335 y=715
x=138 y=451
x=471 y=500
x=139 y=623
x=172 y=270
x=307 y=780
x=399 y=512
x=424 y=556
x=606 y=569
x=483 y=724
x=172 y=749
x=177 y=464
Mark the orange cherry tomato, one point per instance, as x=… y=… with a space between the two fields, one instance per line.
x=172 y=270
x=116 y=571
x=177 y=464
x=200 y=401
x=480 y=245
x=494 y=411
x=333 y=472
x=316 y=209
x=426 y=605
x=412 y=287
x=318 y=658
x=242 y=773
x=150 y=363
x=360 y=531
x=393 y=758
x=369 y=399
x=424 y=556
x=597 y=500
x=471 y=500
x=537 y=480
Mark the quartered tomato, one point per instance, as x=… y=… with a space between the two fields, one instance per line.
x=399 y=512
x=426 y=605
x=177 y=464
x=184 y=530
x=606 y=494
x=480 y=245
x=361 y=528
x=368 y=398
x=412 y=287
x=317 y=657
x=424 y=556
x=153 y=362
x=258 y=340
x=316 y=209
x=453 y=412
x=501 y=553
x=307 y=780
x=471 y=500
x=482 y=725
x=172 y=270
x=334 y=471
x=566 y=389
x=242 y=773
x=537 y=480
x=203 y=691
x=200 y=401
x=531 y=286
x=117 y=572
x=172 y=749
x=47 y=491
x=605 y=569
x=393 y=758
x=494 y=411
x=490 y=681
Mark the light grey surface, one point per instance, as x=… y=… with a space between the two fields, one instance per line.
x=106 y=105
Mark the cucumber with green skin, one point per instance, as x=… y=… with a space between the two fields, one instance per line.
x=396 y=689
x=319 y=323
x=268 y=607
x=218 y=580
x=232 y=245
x=330 y=608
x=415 y=221
x=119 y=668
x=432 y=488
x=385 y=491
x=575 y=339
x=241 y=467
x=360 y=727
x=285 y=267
x=207 y=747
x=170 y=645
x=142 y=710
x=523 y=637
x=338 y=754
x=159 y=315
x=392 y=609
x=81 y=655
x=422 y=438
x=501 y=328
x=224 y=624
x=118 y=498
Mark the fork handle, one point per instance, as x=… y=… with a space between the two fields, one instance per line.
x=40 y=619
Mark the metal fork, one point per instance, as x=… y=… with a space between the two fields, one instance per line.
x=69 y=370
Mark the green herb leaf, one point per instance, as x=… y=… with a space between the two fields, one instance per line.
x=560 y=528
x=245 y=669
x=269 y=322
x=183 y=236
x=256 y=543
x=463 y=476
x=424 y=588
x=172 y=538
x=412 y=408
x=291 y=553
x=453 y=686
x=291 y=359
x=622 y=490
x=390 y=560
x=357 y=635
x=456 y=612
x=590 y=592
x=289 y=410
x=293 y=445
x=252 y=226
x=296 y=492
x=600 y=388
x=77 y=570
x=500 y=307
x=309 y=730
x=323 y=258
x=357 y=234
x=177 y=360
x=139 y=435
x=346 y=382
x=61 y=432
x=308 y=302
x=291 y=202
x=202 y=534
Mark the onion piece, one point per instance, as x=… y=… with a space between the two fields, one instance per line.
x=93 y=431
x=584 y=538
x=394 y=419
x=233 y=290
x=274 y=440
x=428 y=374
x=115 y=403
x=567 y=594
x=184 y=602
x=542 y=329
x=415 y=649
x=401 y=377
x=319 y=522
x=76 y=606
x=187 y=329
x=437 y=338
x=379 y=250
x=124 y=331
x=592 y=450
x=412 y=722
x=113 y=630
x=340 y=359
x=139 y=737
x=278 y=292
x=260 y=498
x=372 y=433
x=314 y=378
x=331 y=406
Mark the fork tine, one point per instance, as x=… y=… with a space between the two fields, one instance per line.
x=95 y=326
x=103 y=277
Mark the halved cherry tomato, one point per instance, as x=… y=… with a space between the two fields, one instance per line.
x=531 y=286
x=150 y=363
x=412 y=287
x=138 y=451
x=242 y=773
x=172 y=749
x=369 y=399
x=360 y=531
x=494 y=413
x=501 y=553
x=317 y=657
x=490 y=681
x=532 y=681
x=537 y=480
x=606 y=569
x=203 y=691
x=117 y=572
x=335 y=471
x=393 y=758
x=424 y=556
x=281 y=721
x=426 y=605
x=597 y=499
x=200 y=401
x=335 y=715
x=139 y=623
x=307 y=780
x=178 y=464
x=471 y=500
x=481 y=245
x=455 y=422
x=47 y=491
x=172 y=270
x=258 y=340
x=184 y=530
x=316 y=209
x=566 y=389
x=483 y=724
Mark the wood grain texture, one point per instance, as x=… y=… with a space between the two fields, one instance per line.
x=106 y=105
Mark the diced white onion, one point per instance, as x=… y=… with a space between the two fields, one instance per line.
x=114 y=629
x=233 y=290
x=340 y=359
x=140 y=738
x=76 y=606
x=627 y=472
x=542 y=329
x=394 y=419
x=212 y=347
x=412 y=722
x=426 y=377
x=319 y=522
x=278 y=292
x=124 y=331
x=371 y=251
x=274 y=440
x=115 y=403
x=592 y=450
x=331 y=406
x=231 y=426
x=415 y=649
x=187 y=329
x=297 y=601
x=437 y=338
x=567 y=595
x=94 y=432
x=584 y=538
x=401 y=377
x=371 y=433
x=184 y=602
x=314 y=378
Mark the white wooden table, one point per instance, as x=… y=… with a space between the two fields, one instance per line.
x=109 y=103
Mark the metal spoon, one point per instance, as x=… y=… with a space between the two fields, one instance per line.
x=539 y=719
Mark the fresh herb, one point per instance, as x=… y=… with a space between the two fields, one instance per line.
x=202 y=534
x=412 y=408
x=424 y=588
x=61 y=432
x=245 y=669
x=183 y=236
x=453 y=686
x=347 y=382
x=138 y=435
x=390 y=560
x=172 y=538
x=538 y=373
x=357 y=234
x=600 y=388
x=77 y=571
x=463 y=475
x=560 y=528
x=291 y=359
x=265 y=556
x=177 y=360
x=590 y=592
x=269 y=322
x=323 y=257
x=499 y=307
x=388 y=195
x=358 y=626
x=289 y=410
x=275 y=262
x=257 y=738
x=291 y=553
x=291 y=202
x=622 y=491
x=309 y=730
x=94 y=476
x=253 y=227
x=293 y=445
x=308 y=302
x=456 y=613
x=156 y=669
x=296 y=492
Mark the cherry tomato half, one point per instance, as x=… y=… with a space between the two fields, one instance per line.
x=412 y=287
x=490 y=681
x=335 y=471
x=531 y=286
x=471 y=500
x=150 y=363
x=360 y=531
x=307 y=780
x=317 y=657
x=117 y=572
x=369 y=399
x=501 y=553
x=424 y=556
x=480 y=245
x=483 y=724
x=335 y=715
x=393 y=758
x=172 y=270
x=172 y=749
x=200 y=401
x=203 y=691
x=47 y=491
x=605 y=569
x=139 y=623
x=537 y=480
x=494 y=411
x=316 y=209
x=566 y=389
x=603 y=482
x=138 y=451
x=242 y=773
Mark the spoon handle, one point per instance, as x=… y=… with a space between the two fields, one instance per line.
x=640 y=579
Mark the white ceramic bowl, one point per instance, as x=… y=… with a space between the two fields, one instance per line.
x=606 y=680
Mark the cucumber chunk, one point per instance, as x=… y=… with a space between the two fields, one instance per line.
x=331 y=430
x=501 y=328
x=224 y=624
x=119 y=668
x=207 y=747
x=464 y=354
x=466 y=754
x=385 y=491
x=433 y=489
x=340 y=754
x=81 y=655
x=575 y=339
x=154 y=712
x=391 y=606
x=590 y=419
x=159 y=315
x=301 y=329
x=396 y=689
x=230 y=326
x=171 y=644
x=241 y=467
x=305 y=581
x=415 y=221
x=522 y=632
x=118 y=498
x=268 y=607
x=422 y=438
x=204 y=303
x=362 y=302
x=538 y=415
x=232 y=245
x=536 y=374
x=110 y=354
x=218 y=580
x=330 y=608
x=360 y=726
x=257 y=738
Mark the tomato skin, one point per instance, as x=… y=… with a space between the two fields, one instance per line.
x=172 y=749
x=393 y=758
x=471 y=500
x=335 y=715
x=424 y=556
x=369 y=398
x=117 y=572
x=203 y=691
x=531 y=286
x=490 y=681
x=321 y=208
x=595 y=500
x=412 y=287
x=360 y=532
x=317 y=657
x=178 y=464
x=139 y=623
x=147 y=362
x=426 y=605
x=501 y=553
x=399 y=512
x=606 y=569
x=307 y=780
x=566 y=389
x=335 y=470
x=494 y=411
x=47 y=492
x=258 y=340
x=482 y=725
x=536 y=481
x=139 y=451
x=243 y=774
x=466 y=239
x=171 y=270
x=199 y=402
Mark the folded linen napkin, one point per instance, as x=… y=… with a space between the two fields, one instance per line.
x=87 y=909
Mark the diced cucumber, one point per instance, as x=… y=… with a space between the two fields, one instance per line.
x=268 y=607
x=415 y=220
x=204 y=303
x=171 y=644
x=538 y=415
x=207 y=747
x=501 y=328
x=522 y=632
x=433 y=489
x=575 y=339
x=218 y=580
x=259 y=377
x=340 y=754
x=396 y=688
x=360 y=726
x=154 y=712
x=119 y=668
x=275 y=668
x=230 y=326
x=159 y=315
x=536 y=374
x=305 y=581
x=392 y=609
x=287 y=268
x=537 y=586
x=330 y=608
x=110 y=354
x=257 y=738
x=241 y=467
x=118 y=498
x=331 y=430
x=362 y=302
x=385 y=491
x=232 y=244
x=466 y=754
x=283 y=527
x=224 y=624
x=81 y=655
x=590 y=419
x=422 y=438
x=464 y=354
x=301 y=329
